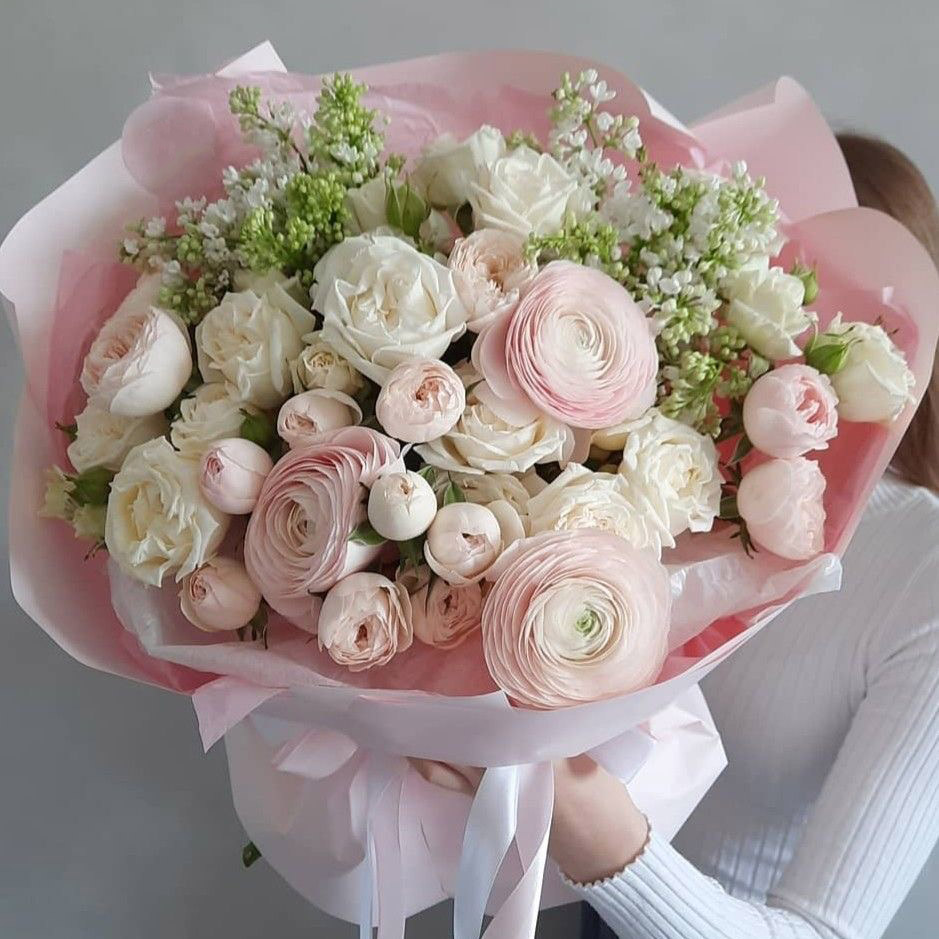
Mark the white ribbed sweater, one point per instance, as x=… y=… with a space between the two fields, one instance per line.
x=830 y=717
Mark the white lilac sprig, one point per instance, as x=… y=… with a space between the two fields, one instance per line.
x=282 y=211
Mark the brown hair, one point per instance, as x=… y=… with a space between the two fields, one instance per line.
x=886 y=179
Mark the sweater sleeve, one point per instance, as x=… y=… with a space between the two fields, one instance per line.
x=867 y=837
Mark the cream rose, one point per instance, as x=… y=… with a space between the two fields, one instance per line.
x=673 y=468
x=158 y=520
x=320 y=366
x=491 y=438
x=524 y=192
x=365 y=621
x=491 y=271
x=448 y=168
x=213 y=413
x=494 y=487
x=104 y=439
x=782 y=503
x=384 y=303
x=875 y=383
x=366 y=205
x=580 y=498
x=140 y=359
x=765 y=305
x=575 y=616
x=251 y=338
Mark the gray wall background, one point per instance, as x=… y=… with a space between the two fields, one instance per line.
x=112 y=823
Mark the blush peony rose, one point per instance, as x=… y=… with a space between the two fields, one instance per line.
x=576 y=348
x=365 y=621
x=140 y=360
x=297 y=543
x=790 y=411
x=304 y=417
x=575 y=616
x=463 y=542
x=490 y=270
x=219 y=596
x=158 y=521
x=232 y=473
x=445 y=615
x=781 y=502
x=420 y=401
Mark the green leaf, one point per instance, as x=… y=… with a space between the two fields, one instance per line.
x=744 y=446
x=258 y=428
x=453 y=493
x=428 y=473
x=250 y=853
x=365 y=534
x=70 y=430
x=412 y=551
x=93 y=486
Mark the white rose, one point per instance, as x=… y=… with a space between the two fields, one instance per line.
x=489 y=438
x=449 y=168
x=675 y=469
x=493 y=487
x=319 y=365
x=158 y=521
x=251 y=338
x=579 y=498
x=765 y=305
x=875 y=382
x=104 y=439
x=141 y=359
x=366 y=205
x=384 y=303
x=523 y=192
x=213 y=413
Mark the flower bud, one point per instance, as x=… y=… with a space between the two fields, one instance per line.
x=232 y=474
x=809 y=277
x=463 y=542
x=219 y=596
x=304 y=417
x=401 y=505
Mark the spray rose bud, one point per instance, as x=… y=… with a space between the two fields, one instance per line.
x=219 y=596
x=401 y=505
x=304 y=417
x=232 y=474
x=463 y=542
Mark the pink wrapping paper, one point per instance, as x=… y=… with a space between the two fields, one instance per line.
x=176 y=144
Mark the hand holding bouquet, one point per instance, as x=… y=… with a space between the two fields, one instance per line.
x=411 y=416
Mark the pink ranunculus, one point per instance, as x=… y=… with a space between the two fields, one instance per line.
x=297 y=543
x=490 y=271
x=232 y=473
x=365 y=621
x=781 y=502
x=576 y=347
x=790 y=411
x=420 y=401
x=575 y=616
x=219 y=596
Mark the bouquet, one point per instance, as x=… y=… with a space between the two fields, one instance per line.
x=474 y=425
